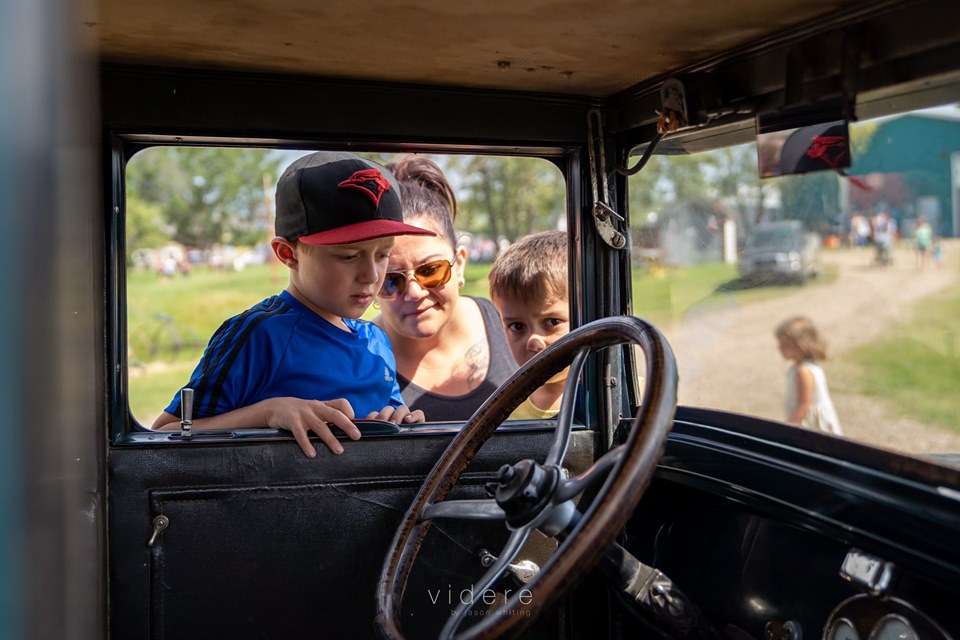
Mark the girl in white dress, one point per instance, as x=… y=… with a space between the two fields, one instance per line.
x=808 y=402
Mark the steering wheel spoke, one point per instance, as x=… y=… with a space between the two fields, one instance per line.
x=573 y=487
x=486 y=509
x=561 y=438
x=512 y=547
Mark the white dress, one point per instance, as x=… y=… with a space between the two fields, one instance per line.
x=822 y=414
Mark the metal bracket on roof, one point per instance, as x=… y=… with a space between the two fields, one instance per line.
x=795 y=92
x=673 y=110
x=603 y=214
x=849 y=68
x=793 y=79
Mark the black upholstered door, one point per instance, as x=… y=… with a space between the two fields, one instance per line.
x=262 y=542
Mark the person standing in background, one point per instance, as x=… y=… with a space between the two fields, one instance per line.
x=808 y=403
x=923 y=237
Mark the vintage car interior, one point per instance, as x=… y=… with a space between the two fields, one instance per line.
x=633 y=514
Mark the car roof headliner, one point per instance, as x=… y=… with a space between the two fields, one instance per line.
x=577 y=47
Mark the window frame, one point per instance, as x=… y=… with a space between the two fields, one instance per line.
x=125 y=428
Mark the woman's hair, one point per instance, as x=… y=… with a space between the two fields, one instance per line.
x=800 y=331
x=532 y=268
x=426 y=194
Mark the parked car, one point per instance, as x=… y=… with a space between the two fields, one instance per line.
x=780 y=251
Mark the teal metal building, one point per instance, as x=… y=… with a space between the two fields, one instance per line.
x=911 y=165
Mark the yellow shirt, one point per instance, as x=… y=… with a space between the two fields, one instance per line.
x=529 y=411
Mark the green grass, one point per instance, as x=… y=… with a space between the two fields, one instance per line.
x=476 y=280
x=162 y=353
x=916 y=371
x=196 y=304
x=664 y=296
x=151 y=392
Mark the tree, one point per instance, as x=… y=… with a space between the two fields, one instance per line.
x=648 y=189
x=207 y=195
x=861 y=137
x=509 y=197
x=811 y=197
x=738 y=182
x=728 y=175
x=145 y=227
x=692 y=176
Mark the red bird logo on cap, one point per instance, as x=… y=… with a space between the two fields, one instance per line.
x=829 y=149
x=370 y=181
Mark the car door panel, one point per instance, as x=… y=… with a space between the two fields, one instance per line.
x=263 y=542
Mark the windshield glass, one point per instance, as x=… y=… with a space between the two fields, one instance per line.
x=880 y=285
x=199 y=228
x=774 y=236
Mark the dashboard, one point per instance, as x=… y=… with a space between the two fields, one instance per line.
x=758 y=576
x=866 y=617
x=871 y=616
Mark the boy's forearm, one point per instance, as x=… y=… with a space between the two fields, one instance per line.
x=249 y=416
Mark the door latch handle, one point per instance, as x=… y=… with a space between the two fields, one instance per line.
x=160 y=523
x=186 y=410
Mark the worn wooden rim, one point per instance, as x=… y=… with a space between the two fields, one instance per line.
x=602 y=521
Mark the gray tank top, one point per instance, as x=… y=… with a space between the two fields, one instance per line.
x=437 y=407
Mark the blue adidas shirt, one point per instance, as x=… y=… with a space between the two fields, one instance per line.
x=280 y=348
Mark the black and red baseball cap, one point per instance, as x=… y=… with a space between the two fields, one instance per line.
x=335 y=197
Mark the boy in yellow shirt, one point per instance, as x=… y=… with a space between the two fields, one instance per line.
x=528 y=285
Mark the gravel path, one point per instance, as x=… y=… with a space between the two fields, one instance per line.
x=728 y=359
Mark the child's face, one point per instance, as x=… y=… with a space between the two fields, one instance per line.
x=533 y=326
x=340 y=281
x=788 y=348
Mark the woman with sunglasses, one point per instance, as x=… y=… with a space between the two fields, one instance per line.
x=450 y=349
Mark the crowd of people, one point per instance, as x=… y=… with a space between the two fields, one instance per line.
x=882 y=231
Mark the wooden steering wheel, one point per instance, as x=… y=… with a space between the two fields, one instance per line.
x=531 y=495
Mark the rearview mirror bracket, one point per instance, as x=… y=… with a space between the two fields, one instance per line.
x=808 y=136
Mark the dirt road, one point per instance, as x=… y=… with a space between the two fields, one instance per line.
x=728 y=358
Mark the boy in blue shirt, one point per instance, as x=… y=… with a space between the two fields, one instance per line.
x=302 y=360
